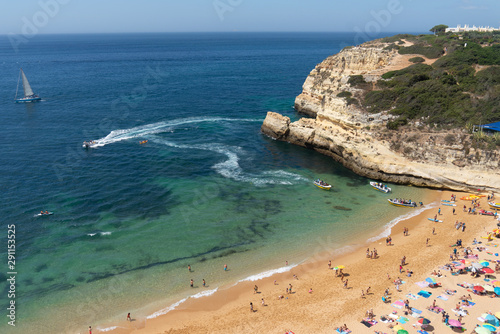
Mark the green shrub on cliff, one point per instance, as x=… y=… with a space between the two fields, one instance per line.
x=416 y=60
x=431 y=52
x=451 y=92
x=355 y=80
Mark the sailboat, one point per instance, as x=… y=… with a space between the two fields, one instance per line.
x=29 y=96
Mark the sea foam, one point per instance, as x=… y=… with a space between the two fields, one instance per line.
x=395 y=221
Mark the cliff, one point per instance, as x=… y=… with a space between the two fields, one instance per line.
x=342 y=129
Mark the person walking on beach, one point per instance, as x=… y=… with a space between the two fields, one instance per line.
x=251 y=307
x=128 y=317
x=400 y=268
x=345 y=283
x=433 y=231
x=427 y=241
x=90 y=329
x=225 y=267
x=189 y=267
x=439 y=211
x=453 y=210
x=255 y=289
x=192 y=283
x=289 y=288
x=463 y=227
x=263 y=302
x=204 y=283
x=330 y=264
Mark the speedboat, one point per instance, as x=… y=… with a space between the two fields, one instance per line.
x=89 y=144
x=321 y=184
x=380 y=187
x=403 y=203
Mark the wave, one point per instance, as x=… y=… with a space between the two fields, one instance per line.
x=388 y=227
x=231 y=168
x=101 y=233
x=175 y=305
x=160 y=127
x=268 y=273
x=108 y=329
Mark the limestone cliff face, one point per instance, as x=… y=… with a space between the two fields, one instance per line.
x=360 y=140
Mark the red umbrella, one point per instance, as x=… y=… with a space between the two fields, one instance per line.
x=454 y=323
x=488 y=270
x=479 y=288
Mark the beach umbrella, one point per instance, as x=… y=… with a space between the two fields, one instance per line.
x=489 y=288
x=479 y=288
x=476 y=265
x=454 y=323
x=423 y=321
x=497 y=292
x=488 y=270
x=491 y=319
x=431 y=280
x=496 y=283
x=398 y=328
x=497 y=314
x=341 y=267
x=402 y=331
x=482 y=330
x=490 y=327
x=462 y=266
x=485 y=264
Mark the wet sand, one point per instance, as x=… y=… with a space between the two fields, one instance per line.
x=330 y=305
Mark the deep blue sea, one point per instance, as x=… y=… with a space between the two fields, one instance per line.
x=207 y=189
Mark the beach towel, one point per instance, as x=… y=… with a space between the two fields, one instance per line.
x=422 y=284
x=414 y=310
x=403 y=320
x=450 y=292
x=344 y=332
x=470 y=304
x=398 y=304
x=412 y=296
x=366 y=323
x=421 y=331
x=481 y=319
x=424 y=293
x=443 y=297
x=436 y=309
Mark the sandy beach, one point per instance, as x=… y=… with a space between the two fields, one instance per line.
x=319 y=301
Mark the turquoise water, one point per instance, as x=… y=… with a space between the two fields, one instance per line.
x=207 y=189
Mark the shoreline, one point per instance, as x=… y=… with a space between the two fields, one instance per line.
x=226 y=299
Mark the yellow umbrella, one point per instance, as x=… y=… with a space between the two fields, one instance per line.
x=497 y=315
x=341 y=267
x=397 y=328
x=496 y=283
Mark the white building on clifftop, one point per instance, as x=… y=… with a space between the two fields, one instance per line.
x=466 y=28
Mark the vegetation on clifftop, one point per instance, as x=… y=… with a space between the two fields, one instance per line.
x=461 y=87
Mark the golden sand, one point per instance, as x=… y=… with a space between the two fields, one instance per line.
x=329 y=304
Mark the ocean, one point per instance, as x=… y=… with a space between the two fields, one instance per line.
x=207 y=189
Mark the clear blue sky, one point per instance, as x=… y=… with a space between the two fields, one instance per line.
x=96 y=16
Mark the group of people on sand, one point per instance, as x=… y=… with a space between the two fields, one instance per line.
x=371 y=255
x=342 y=329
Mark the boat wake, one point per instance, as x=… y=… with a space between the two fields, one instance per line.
x=231 y=168
x=160 y=127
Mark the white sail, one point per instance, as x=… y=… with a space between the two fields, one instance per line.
x=26 y=85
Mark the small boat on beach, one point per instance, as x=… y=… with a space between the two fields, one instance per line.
x=494 y=205
x=448 y=204
x=403 y=203
x=29 y=96
x=380 y=187
x=486 y=213
x=321 y=184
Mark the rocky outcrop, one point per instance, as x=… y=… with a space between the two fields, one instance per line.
x=360 y=140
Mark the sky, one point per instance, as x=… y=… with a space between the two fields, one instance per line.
x=29 y=17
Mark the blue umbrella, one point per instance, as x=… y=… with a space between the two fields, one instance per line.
x=490 y=327
x=430 y=280
x=497 y=291
x=492 y=320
